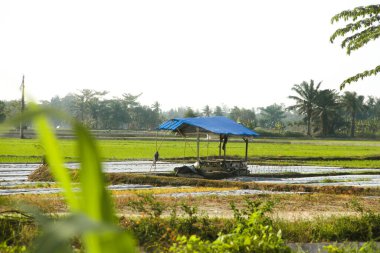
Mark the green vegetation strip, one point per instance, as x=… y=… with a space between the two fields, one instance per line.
x=351 y=154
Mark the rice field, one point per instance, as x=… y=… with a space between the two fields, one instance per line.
x=342 y=153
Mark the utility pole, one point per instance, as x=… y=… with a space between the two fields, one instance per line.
x=22 y=87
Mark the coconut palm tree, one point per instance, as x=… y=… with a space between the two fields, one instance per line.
x=86 y=103
x=325 y=110
x=305 y=99
x=353 y=104
x=207 y=111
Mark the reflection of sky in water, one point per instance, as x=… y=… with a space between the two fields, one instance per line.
x=347 y=180
x=299 y=169
x=16 y=174
x=146 y=166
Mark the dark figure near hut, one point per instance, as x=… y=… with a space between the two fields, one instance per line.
x=155 y=159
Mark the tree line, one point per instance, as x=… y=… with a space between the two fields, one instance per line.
x=314 y=112
x=327 y=112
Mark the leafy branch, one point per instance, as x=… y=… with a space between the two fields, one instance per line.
x=365 y=27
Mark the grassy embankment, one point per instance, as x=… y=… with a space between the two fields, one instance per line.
x=342 y=153
x=157 y=221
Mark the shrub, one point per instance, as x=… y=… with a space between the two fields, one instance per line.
x=251 y=234
x=368 y=247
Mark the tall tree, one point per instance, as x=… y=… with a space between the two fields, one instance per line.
x=2 y=111
x=271 y=115
x=363 y=27
x=244 y=116
x=306 y=96
x=12 y=108
x=130 y=100
x=326 y=105
x=353 y=104
x=207 y=111
x=190 y=113
x=372 y=107
x=218 y=111
x=86 y=103
x=248 y=117
x=156 y=107
x=111 y=114
x=235 y=113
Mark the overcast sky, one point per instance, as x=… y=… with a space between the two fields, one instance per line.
x=180 y=53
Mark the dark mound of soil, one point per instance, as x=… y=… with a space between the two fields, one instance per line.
x=42 y=173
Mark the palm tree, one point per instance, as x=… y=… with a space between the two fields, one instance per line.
x=305 y=100
x=207 y=111
x=326 y=105
x=130 y=101
x=85 y=104
x=156 y=107
x=353 y=104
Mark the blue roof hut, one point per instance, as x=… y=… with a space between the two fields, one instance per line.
x=218 y=125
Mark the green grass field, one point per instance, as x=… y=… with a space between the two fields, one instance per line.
x=356 y=154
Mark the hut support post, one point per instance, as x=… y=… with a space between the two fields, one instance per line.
x=198 y=144
x=246 y=148
x=220 y=146
x=225 y=139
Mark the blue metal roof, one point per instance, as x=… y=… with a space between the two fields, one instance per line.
x=216 y=125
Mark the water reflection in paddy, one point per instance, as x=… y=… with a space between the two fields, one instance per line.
x=12 y=175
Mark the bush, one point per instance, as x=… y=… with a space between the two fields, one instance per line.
x=368 y=247
x=251 y=234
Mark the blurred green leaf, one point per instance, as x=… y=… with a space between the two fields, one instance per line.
x=95 y=201
x=57 y=235
x=55 y=159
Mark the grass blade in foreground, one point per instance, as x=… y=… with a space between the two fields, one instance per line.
x=95 y=199
x=54 y=157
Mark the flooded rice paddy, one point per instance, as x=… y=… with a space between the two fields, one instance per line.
x=14 y=176
x=344 y=180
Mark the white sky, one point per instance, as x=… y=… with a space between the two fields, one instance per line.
x=181 y=53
